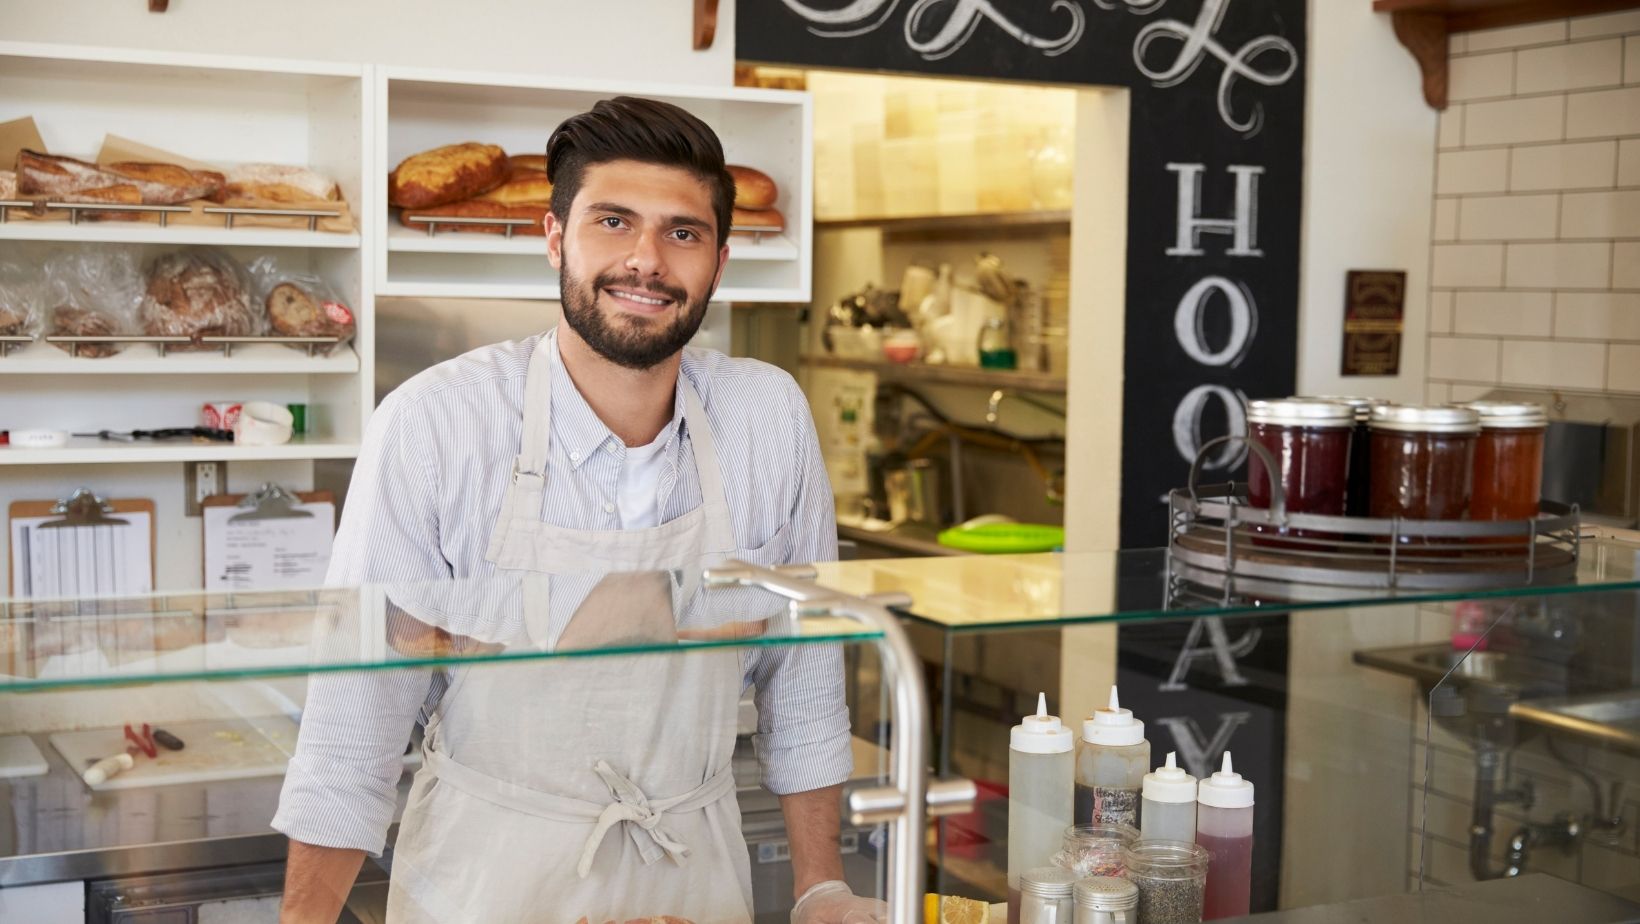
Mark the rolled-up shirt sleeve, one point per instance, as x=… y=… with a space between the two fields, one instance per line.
x=803 y=722
x=340 y=789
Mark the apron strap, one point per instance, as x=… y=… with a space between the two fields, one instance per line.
x=642 y=818
x=527 y=487
x=720 y=533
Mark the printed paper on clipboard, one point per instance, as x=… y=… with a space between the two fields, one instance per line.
x=271 y=553
x=81 y=561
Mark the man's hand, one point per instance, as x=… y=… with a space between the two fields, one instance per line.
x=834 y=903
x=317 y=881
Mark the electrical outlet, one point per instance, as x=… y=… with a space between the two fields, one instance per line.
x=201 y=480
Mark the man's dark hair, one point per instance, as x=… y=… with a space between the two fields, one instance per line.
x=645 y=130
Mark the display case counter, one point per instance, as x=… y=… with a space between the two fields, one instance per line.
x=264 y=690
x=1397 y=740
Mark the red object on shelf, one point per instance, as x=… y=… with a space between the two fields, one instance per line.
x=144 y=741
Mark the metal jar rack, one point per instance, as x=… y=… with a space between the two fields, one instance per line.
x=1214 y=533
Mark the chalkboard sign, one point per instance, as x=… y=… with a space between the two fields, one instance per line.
x=1215 y=176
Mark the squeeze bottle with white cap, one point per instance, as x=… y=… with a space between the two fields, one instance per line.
x=1040 y=767
x=1224 y=826
x=1168 y=809
x=1110 y=766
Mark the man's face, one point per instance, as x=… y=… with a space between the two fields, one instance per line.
x=637 y=259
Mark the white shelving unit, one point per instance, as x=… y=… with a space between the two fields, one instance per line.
x=422 y=109
x=92 y=451
x=220 y=110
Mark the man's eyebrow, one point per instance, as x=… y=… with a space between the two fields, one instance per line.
x=687 y=221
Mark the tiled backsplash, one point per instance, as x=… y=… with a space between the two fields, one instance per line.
x=1536 y=267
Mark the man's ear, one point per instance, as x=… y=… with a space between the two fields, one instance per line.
x=555 y=241
x=723 y=262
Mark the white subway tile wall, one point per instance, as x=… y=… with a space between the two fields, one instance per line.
x=1535 y=270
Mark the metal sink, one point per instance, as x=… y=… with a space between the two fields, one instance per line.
x=1430 y=664
x=1612 y=719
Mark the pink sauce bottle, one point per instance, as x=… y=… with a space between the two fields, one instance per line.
x=1224 y=826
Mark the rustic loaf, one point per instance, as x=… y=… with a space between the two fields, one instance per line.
x=293 y=311
x=525 y=186
x=69 y=321
x=194 y=294
x=754 y=189
x=536 y=162
x=279 y=183
x=448 y=174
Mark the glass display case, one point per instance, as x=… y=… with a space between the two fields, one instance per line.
x=1397 y=742
x=617 y=730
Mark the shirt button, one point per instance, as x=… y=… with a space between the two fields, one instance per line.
x=575 y=457
x=609 y=508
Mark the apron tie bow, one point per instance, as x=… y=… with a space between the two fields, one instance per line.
x=643 y=822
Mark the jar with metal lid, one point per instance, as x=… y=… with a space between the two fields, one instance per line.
x=1360 y=481
x=1106 y=900
x=1310 y=442
x=1172 y=880
x=1045 y=895
x=1508 y=474
x=1422 y=461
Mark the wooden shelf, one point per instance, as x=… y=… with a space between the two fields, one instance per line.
x=945 y=375
x=41 y=358
x=1423 y=26
x=92 y=451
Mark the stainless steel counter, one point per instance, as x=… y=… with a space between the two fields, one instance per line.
x=53 y=829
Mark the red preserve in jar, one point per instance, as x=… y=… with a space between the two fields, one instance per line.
x=1310 y=440
x=1422 y=460
x=1508 y=460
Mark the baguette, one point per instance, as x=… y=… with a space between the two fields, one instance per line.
x=71 y=180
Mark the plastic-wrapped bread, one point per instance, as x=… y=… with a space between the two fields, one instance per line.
x=196 y=294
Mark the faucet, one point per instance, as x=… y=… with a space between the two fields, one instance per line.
x=993 y=405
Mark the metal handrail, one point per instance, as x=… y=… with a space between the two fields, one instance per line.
x=906 y=805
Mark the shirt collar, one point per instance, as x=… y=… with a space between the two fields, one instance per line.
x=577 y=433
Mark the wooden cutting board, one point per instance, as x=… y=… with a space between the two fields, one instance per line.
x=224 y=749
x=20 y=757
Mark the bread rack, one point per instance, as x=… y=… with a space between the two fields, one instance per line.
x=226 y=212
x=1213 y=534
x=433 y=221
x=162 y=343
x=10 y=341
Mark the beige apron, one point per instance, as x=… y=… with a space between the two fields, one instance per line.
x=594 y=787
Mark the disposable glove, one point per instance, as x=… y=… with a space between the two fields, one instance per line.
x=833 y=902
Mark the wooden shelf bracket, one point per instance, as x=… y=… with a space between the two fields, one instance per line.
x=1424 y=34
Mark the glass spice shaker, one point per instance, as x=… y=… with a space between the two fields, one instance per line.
x=1106 y=900
x=1095 y=849
x=1045 y=895
x=1172 y=880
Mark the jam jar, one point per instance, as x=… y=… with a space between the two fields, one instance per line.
x=1508 y=460
x=1360 y=487
x=1422 y=459
x=1310 y=440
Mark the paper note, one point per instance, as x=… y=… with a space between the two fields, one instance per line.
x=268 y=554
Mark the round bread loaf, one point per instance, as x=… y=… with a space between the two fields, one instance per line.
x=69 y=321
x=753 y=188
x=196 y=295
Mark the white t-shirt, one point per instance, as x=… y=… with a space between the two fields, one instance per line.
x=638 y=492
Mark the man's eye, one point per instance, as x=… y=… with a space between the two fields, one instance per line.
x=610 y=222
x=684 y=234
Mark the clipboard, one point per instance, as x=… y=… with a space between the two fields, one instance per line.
x=266 y=521
x=84 y=509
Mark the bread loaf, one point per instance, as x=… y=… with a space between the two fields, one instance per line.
x=295 y=312
x=279 y=184
x=760 y=220
x=69 y=321
x=754 y=189
x=536 y=162
x=196 y=295
x=8 y=184
x=448 y=174
x=525 y=187
x=11 y=321
x=479 y=208
x=167 y=184
x=154 y=184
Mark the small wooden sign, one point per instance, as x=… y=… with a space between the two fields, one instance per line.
x=1374 y=312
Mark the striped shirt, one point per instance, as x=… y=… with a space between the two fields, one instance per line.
x=426 y=492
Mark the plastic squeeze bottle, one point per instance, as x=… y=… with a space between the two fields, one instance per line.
x=1224 y=826
x=1040 y=769
x=1168 y=807
x=1111 y=766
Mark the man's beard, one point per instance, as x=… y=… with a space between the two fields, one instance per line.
x=640 y=344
